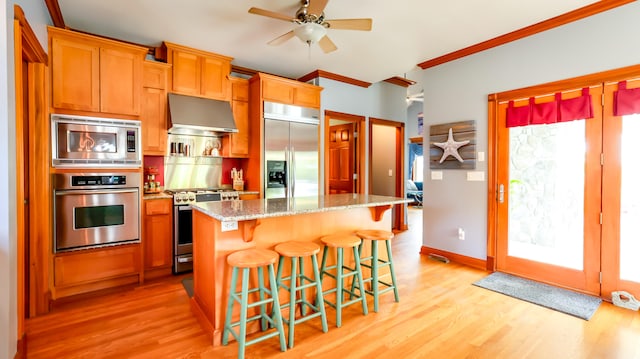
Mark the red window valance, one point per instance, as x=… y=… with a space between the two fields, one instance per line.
x=626 y=102
x=558 y=110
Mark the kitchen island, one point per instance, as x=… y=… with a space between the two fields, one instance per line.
x=220 y=228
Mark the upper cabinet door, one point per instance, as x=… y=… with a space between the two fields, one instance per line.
x=214 y=82
x=199 y=73
x=93 y=74
x=186 y=73
x=120 y=81
x=75 y=67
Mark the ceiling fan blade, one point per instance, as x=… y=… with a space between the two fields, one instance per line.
x=350 y=24
x=271 y=14
x=281 y=39
x=316 y=7
x=327 y=45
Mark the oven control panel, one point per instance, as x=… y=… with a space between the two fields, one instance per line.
x=109 y=180
x=190 y=197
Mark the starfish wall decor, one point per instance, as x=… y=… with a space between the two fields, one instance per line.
x=451 y=147
x=448 y=150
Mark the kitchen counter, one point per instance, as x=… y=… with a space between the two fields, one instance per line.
x=159 y=195
x=221 y=228
x=278 y=207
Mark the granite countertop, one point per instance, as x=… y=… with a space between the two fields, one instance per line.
x=159 y=195
x=278 y=207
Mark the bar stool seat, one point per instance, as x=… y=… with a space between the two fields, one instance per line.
x=374 y=263
x=297 y=252
x=245 y=260
x=342 y=272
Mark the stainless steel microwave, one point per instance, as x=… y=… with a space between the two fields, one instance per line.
x=81 y=141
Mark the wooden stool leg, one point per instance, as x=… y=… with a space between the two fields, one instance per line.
x=356 y=256
x=393 y=273
x=263 y=307
x=339 y=289
x=231 y=301
x=276 y=305
x=324 y=262
x=292 y=299
x=243 y=313
x=303 y=295
x=319 y=297
x=375 y=288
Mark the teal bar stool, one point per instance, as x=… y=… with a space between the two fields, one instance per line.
x=299 y=282
x=342 y=273
x=374 y=263
x=246 y=260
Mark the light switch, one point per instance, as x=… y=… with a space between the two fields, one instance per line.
x=436 y=175
x=390 y=173
x=475 y=176
x=480 y=156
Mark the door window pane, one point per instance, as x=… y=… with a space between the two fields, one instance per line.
x=630 y=200
x=546 y=193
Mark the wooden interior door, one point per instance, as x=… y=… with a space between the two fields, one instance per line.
x=357 y=123
x=549 y=198
x=341 y=158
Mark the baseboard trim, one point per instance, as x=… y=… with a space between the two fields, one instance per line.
x=21 y=348
x=456 y=258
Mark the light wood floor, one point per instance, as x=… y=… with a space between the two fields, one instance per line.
x=440 y=315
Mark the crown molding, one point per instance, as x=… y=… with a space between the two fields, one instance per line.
x=400 y=81
x=55 y=13
x=335 y=77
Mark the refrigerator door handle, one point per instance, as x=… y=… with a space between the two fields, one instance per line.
x=293 y=172
x=287 y=169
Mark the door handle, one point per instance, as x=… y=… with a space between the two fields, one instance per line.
x=293 y=172
x=501 y=193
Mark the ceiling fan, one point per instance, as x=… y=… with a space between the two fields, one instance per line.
x=311 y=24
x=418 y=97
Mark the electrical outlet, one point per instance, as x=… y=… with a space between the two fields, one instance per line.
x=229 y=226
x=461 y=234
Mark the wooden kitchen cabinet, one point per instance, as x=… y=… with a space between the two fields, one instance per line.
x=237 y=144
x=85 y=271
x=157 y=220
x=153 y=111
x=199 y=73
x=289 y=92
x=93 y=74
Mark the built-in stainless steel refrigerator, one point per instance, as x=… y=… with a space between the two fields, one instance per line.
x=291 y=151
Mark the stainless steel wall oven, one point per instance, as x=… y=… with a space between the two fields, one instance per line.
x=95 y=209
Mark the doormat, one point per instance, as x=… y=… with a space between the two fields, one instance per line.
x=577 y=304
x=187 y=283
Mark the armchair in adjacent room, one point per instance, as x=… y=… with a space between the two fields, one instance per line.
x=414 y=191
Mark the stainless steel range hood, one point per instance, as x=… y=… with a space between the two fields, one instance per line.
x=199 y=116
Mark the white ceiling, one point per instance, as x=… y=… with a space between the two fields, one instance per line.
x=405 y=32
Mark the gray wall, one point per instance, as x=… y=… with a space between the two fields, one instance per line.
x=38 y=17
x=458 y=91
x=380 y=100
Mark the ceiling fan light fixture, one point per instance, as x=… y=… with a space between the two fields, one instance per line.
x=310 y=32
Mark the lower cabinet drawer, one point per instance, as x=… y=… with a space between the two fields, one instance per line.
x=81 y=267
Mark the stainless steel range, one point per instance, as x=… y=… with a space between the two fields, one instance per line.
x=182 y=222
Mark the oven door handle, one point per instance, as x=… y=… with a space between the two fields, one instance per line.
x=188 y=259
x=97 y=191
